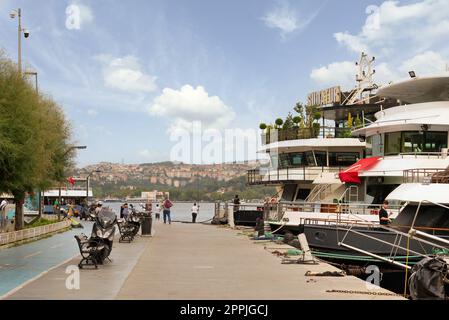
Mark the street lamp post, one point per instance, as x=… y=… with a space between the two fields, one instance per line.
x=87 y=184
x=59 y=196
x=18 y=13
x=33 y=73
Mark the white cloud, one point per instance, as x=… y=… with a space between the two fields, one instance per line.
x=402 y=37
x=419 y=25
x=426 y=63
x=191 y=104
x=125 y=74
x=283 y=18
x=337 y=73
x=92 y=112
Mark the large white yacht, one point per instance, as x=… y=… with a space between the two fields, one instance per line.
x=306 y=169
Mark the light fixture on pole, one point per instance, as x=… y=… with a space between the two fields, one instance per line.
x=59 y=195
x=412 y=74
x=18 y=13
x=87 y=184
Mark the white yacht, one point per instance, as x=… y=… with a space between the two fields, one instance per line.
x=306 y=170
x=411 y=135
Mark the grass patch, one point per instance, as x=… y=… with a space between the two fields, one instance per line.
x=40 y=222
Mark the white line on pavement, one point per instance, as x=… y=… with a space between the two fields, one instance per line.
x=32 y=255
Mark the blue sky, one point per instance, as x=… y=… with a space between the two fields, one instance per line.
x=130 y=73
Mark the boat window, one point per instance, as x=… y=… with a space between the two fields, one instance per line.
x=297 y=159
x=342 y=159
x=321 y=158
x=392 y=143
x=412 y=141
x=284 y=160
x=435 y=141
x=415 y=141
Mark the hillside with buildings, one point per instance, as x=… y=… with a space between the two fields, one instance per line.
x=183 y=181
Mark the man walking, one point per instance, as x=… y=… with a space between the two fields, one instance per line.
x=195 y=210
x=384 y=217
x=236 y=203
x=166 y=210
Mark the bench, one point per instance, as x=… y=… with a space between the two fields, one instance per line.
x=126 y=231
x=90 y=251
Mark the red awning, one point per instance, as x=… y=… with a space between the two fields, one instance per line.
x=351 y=174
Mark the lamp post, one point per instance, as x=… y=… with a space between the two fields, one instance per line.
x=87 y=184
x=33 y=73
x=18 y=13
x=59 y=196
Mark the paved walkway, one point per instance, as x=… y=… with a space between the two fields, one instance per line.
x=205 y=262
x=193 y=261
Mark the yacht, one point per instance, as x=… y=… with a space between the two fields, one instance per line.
x=306 y=168
x=408 y=164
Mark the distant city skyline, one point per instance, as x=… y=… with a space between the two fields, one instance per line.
x=133 y=77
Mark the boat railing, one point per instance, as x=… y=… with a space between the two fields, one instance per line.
x=268 y=175
x=413 y=232
x=427 y=175
x=429 y=155
x=354 y=208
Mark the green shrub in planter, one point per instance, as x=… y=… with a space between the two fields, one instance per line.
x=279 y=122
x=262 y=126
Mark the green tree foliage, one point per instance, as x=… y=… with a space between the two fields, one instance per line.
x=33 y=138
x=289 y=123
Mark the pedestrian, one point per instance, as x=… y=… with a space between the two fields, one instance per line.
x=3 y=205
x=56 y=206
x=236 y=203
x=125 y=211
x=384 y=217
x=166 y=210
x=195 y=210
x=158 y=211
x=121 y=210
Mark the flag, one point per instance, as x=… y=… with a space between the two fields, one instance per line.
x=71 y=181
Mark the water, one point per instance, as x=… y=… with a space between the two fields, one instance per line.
x=180 y=211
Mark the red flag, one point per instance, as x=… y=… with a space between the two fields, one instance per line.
x=71 y=181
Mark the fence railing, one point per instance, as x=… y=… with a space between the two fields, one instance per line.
x=277 y=175
x=15 y=236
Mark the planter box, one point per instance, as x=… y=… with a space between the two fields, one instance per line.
x=11 y=237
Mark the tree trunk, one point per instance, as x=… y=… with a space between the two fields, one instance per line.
x=19 y=201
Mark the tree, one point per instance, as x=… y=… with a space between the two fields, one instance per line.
x=350 y=121
x=289 y=123
x=33 y=138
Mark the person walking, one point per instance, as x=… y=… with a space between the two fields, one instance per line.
x=125 y=211
x=121 y=210
x=166 y=210
x=158 y=211
x=195 y=210
x=236 y=203
x=384 y=217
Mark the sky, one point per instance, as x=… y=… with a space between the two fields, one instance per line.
x=138 y=80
